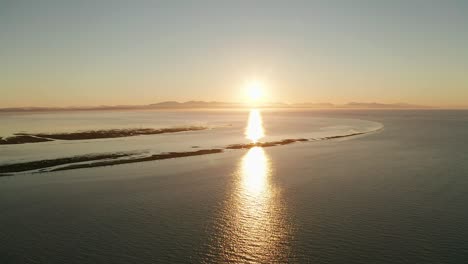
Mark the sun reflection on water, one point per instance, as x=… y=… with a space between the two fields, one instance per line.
x=254 y=130
x=257 y=230
x=255 y=169
x=253 y=226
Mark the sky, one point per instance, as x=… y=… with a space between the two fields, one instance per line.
x=114 y=52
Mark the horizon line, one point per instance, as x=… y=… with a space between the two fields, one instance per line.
x=196 y=104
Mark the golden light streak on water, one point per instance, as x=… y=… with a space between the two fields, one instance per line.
x=253 y=226
x=255 y=170
x=254 y=130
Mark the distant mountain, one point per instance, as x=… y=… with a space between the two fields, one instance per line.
x=194 y=104
x=374 y=105
x=314 y=105
x=165 y=104
x=217 y=105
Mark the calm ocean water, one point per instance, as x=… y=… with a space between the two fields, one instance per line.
x=394 y=196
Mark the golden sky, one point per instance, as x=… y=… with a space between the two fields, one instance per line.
x=64 y=53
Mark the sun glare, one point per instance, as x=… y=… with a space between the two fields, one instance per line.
x=255 y=91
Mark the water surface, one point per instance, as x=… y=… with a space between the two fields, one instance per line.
x=395 y=196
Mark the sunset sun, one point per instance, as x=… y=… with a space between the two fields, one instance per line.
x=255 y=91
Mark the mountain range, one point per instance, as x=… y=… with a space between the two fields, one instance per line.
x=221 y=105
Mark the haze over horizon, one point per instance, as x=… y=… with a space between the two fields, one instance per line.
x=227 y=105
x=89 y=53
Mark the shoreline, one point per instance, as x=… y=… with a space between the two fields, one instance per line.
x=25 y=138
x=111 y=159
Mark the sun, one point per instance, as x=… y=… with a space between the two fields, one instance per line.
x=255 y=90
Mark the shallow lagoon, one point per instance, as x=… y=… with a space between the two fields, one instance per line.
x=221 y=129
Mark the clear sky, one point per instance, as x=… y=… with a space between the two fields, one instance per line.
x=62 y=53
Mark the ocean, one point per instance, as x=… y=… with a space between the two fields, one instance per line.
x=368 y=186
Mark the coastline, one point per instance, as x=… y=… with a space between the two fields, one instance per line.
x=24 y=138
x=111 y=159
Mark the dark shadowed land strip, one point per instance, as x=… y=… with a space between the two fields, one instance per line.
x=101 y=160
x=266 y=144
x=288 y=141
x=116 y=133
x=35 y=165
x=119 y=158
x=169 y=155
x=22 y=138
x=348 y=135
